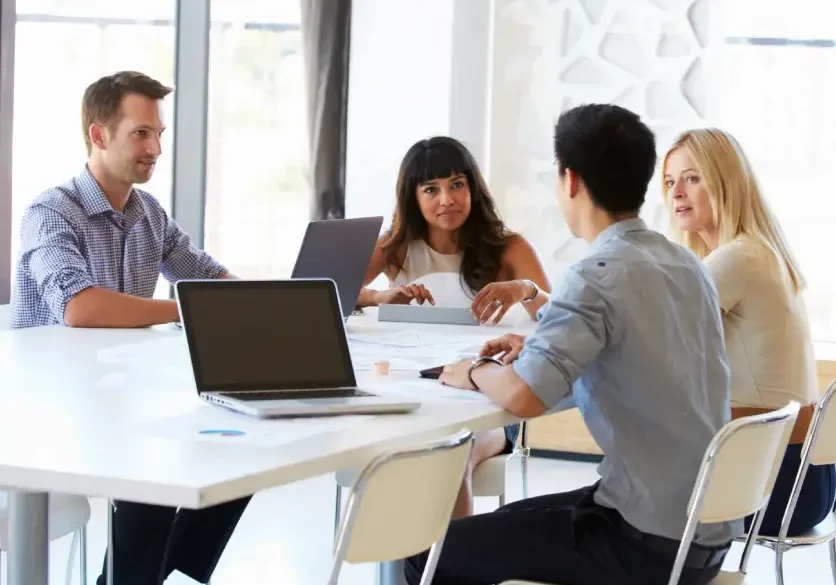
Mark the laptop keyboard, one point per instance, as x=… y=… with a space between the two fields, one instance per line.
x=252 y=395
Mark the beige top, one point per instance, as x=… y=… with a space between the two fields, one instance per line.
x=766 y=328
x=422 y=260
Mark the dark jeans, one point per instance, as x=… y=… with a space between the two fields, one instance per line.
x=511 y=433
x=814 y=503
x=559 y=538
x=151 y=542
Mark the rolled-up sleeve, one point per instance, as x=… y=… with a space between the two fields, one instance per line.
x=182 y=260
x=55 y=260
x=574 y=327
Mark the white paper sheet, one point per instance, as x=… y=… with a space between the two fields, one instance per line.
x=206 y=423
x=413 y=338
x=421 y=389
x=365 y=354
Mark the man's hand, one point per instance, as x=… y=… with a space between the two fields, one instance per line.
x=509 y=346
x=456 y=375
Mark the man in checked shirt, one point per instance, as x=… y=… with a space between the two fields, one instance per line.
x=92 y=251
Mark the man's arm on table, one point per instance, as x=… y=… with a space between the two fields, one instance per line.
x=61 y=272
x=571 y=333
x=99 y=307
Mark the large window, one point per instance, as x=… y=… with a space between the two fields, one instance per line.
x=61 y=46
x=257 y=200
x=775 y=91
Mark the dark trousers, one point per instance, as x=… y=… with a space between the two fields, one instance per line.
x=151 y=542
x=559 y=538
x=815 y=501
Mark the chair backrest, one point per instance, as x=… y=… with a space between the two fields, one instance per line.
x=741 y=465
x=737 y=475
x=819 y=449
x=5 y=314
x=822 y=433
x=402 y=501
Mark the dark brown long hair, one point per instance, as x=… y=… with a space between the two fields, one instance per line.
x=482 y=238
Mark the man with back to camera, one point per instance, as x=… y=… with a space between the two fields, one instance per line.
x=633 y=335
x=92 y=251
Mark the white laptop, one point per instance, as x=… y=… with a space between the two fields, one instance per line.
x=274 y=349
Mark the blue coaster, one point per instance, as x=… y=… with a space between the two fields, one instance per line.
x=223 y=432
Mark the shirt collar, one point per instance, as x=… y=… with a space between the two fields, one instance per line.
x=94 y=202
x=634 y=224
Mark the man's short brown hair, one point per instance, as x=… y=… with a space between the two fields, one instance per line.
x=103 y=98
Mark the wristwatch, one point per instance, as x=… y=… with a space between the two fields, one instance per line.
x=478 y=362
x=534 y=287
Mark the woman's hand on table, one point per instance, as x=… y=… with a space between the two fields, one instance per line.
x=403 y=295
x=496 y=298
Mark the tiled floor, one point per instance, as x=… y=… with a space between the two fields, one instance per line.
x=285 y=536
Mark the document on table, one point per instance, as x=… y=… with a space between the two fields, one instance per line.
x=207 y=423
x=421 y=389
x=413 y=338
x=365 y=355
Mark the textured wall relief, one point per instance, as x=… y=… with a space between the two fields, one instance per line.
x=549 y=55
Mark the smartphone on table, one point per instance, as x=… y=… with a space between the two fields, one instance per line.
x=432 y=373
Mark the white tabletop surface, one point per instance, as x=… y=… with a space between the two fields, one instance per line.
x=87 y=412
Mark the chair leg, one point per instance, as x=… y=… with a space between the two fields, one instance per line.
x=524 y=453
x=68 y=578
x=779 y=565
x=109 y=569
x=501 y=499
x=832 y=546
x=82 y=555
x=338 y=508
x=432 y=561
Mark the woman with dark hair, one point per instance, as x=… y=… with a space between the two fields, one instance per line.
x=446 y=221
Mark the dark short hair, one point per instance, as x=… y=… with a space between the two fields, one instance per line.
x=103 y=98
x=611 y=150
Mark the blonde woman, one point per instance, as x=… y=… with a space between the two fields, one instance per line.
x=719 y=213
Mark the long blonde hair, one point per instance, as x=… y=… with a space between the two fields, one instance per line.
x=737 y=205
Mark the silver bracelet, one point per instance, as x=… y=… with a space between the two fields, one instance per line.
x=478 y=362
x=533 y=295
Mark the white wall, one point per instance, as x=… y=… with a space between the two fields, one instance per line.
x=417 y=68
x=646 y=55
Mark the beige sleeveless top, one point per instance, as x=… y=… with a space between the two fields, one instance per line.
x=422 y=260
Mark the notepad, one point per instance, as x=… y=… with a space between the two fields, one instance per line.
x=426 y=314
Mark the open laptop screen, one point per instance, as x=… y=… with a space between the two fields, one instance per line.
x=339 y=249
x=265 y=335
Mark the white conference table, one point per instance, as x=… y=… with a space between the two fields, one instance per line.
x=114 y=414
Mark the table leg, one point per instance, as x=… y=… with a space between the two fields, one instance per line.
x=28 y=538
x=391 y=573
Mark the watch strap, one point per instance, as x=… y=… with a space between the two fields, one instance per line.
x=478 y=362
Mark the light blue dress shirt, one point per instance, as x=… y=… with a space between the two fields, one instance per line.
x=73 y=239
x=633 y=336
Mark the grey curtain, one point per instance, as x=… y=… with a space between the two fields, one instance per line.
x=326 y=32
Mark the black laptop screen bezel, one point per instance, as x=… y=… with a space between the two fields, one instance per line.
x=185 y=288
